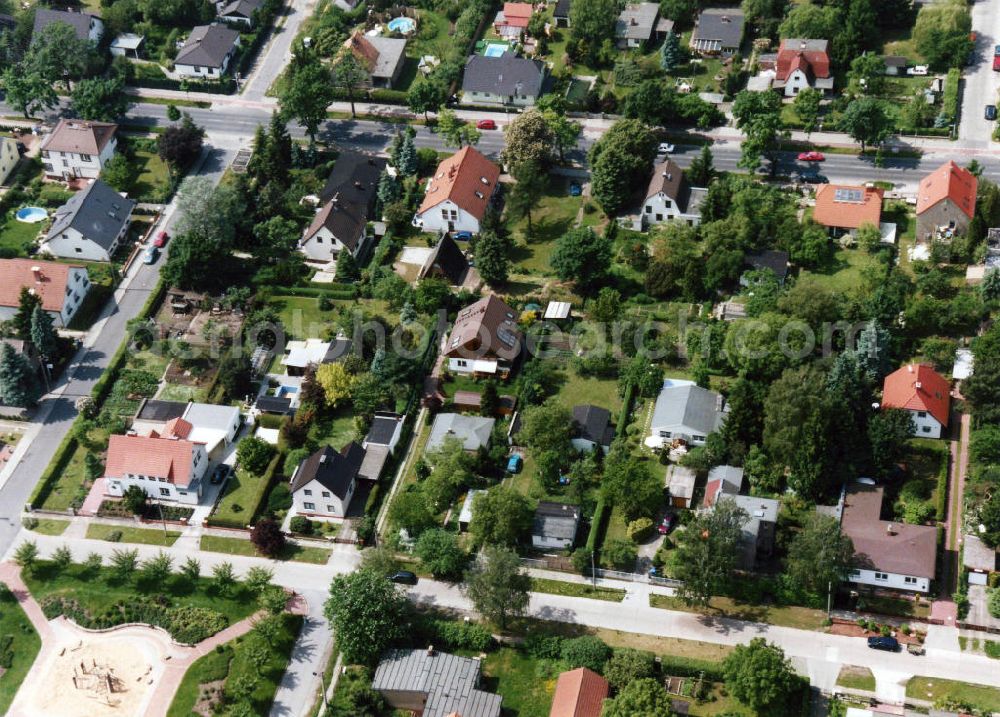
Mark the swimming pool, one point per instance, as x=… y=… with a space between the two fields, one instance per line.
x=401 y=24
x=31 y=215
x=286 y=391
x=495 y=49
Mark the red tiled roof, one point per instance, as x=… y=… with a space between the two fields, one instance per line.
x=835 y=209
x=579 y=693
x=711 y=490
x=949 y=181
x=918 y=387
x=168 y=458
x=49 y=283
x=802 y=54
x=517 y=14
x=177 y=428
x=362 y=49
x=489 y=326
x=467 y=178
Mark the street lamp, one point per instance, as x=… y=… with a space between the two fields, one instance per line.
x=322 y=680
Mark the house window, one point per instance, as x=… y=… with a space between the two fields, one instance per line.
x=85 y=157
x=659 y=217
x=925 y=429
x=309 y=506
x=307 y=492
x=855 y=573
x=462 y=363
x=921 y=414
x=326 y=494
x=881 y=576
x=319 y=240
x=164 y=492
x=909 y=581
x=697 y=438
x=330 y=509
x=666 y=203
x=664 y=434
x=444 y=213
x=649 y=209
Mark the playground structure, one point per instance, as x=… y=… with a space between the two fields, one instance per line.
x=98 y=681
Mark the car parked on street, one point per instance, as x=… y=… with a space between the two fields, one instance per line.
x=889 y=644
x=462 y=236
x=220 y=474
x=811 y=156
x=486 y=124
x=404 y=577
x=161 y=240
x=150 y=255
x=991 y=112
x=665 y=148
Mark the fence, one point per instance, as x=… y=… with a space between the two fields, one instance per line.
x=565 y=565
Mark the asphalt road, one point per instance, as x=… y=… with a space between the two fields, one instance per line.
x=980 y=80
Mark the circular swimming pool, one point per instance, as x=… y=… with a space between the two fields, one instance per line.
x=402 y=24
x=31 y=215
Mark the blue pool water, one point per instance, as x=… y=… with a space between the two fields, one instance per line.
x=495 y=50
x=286 y=391
x=404 y=25
x=31 y=215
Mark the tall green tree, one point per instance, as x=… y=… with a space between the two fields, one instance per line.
x=644 y=697
x=500 y=516
x=498 y=586
x=181 y=144
x=528 y=141
x=350 y=76
x=406 y=157
x=868 y=73
x=621 y=159
x=27 y=302
x=706 y=552
x=307 y=91
x=820 y=555
x=100 y=99
x=583 y=257
x=702 y=169
x=426 y=94
x=758 y=116
x=867 y=121
x=18 y=385
x=524 y=198
x=43 y=332
x=671 y=53
x=455 y=131
x=492 y=259
x=367 y=615
x=57 y=54
x=29 y=92
x=806 y=106
x=759 y=676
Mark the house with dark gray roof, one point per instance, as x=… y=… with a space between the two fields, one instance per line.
x=446 y=261
x=91 y=225
x=774 y=260
x=507 y=80
x=669 y=196
x=686 y=413
x=348 y=198
x=561 y=13
x=434 y=684
x=385 y=430
x=555 y=526
x=635 y=24
x=207 y=53
x=324 y=483
x=592 y=428
x=718 y=31
x=381 y=57
x=85 y=26
x=756 y=542
x=240 y=12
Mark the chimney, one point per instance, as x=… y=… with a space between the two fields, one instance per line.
x=336 y=198
x=909 y=367
x=669 y=176
x=430 y=650
x=917 y=385
x=322 y=458
x=890 y=529
x=37 y=271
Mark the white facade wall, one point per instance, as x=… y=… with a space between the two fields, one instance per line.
x=795 y=83
x=71 y=164
x=660 y=208
x=96 y=29
x=71 y=244
x=8 y=157
x=489 y=98
x=660 y=436
x=892 y=581
x=471 y=366
x=159 y=488
x=925 y=425
x=314 y=499
x=78 y=284
x=200 y=72
x=324 y=246
x=538 y=541
x=447 y=216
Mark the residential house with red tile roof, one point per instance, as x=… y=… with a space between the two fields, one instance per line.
x=889 y=555
x=800 y=64
x=579 y=693
x=61 y=287
x=166 y=464
x=485 y=339
x=78 y=148
x=381 y=57
x=512 y=20
x=844 y=208
x=946 y=201
x=458 y=194
x=923 y=392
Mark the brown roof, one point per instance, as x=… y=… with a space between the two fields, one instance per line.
x=949 y=181
x=486 y=328
x=362 y=49
x=80 y=136
x=49 y=283
x=808 y=55
x=154 y=456
x=467 y=178
x=847 y=206
x=887 y=545
x=668 y=177
x=579 y=693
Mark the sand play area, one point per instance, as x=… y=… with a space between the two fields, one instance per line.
x=82 y=674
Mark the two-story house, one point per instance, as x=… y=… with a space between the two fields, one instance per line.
x=801 y=64
x=91 y=225
x=922 y=391
x=61 y=287
x=167 y=465
x=9 y=157
x=505 y=81
x=946 y=202
x=485 y=340
x=78 y=148
x=458 y=194
x=324 y=483
x=381 y=57
x=670 y=197
x=86 y=26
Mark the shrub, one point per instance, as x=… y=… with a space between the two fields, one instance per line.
x=627 y=664
x=462 y=635
x=586 y=651
x=993 y=603
x=30 y=523
x=620 y=554
x=267 y=537
x=992 y=649
x=279 y=499
x=544 y=647
x=639 y=529
x=301 y=525
x=188 y=625
x=254 y=454
x=114 y=536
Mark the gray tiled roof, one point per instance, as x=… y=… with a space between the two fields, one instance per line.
x=383 y=428
x=390 y=50
x=636 y=21
x=689 y=408
x=504 y=75
x=207 y=46
x=97 y=211
x=79 y=21
x=334 y=471
x=594 y=424
x=721 y=26
x=556 y=520
x=449 y=682
x=473 y=431
x=241 y=8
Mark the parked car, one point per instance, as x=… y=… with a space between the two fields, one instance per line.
x=514 y=463
x=889 y=644
x=667 y=524
x=811 y=157
x=917 y=70
x=575 y=190
x=150 y=255
x=996 y=51
x=810 y=177
x=161 y=240
x=462 y=236
x=220 y=474
x=996 y=64
x=486 y=124
x=991 y=112
x=665 y=148
x=404 y=577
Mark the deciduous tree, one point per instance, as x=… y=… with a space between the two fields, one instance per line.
x=500 y=516
x=759 y=676
x=583 y=257
x=307 y=90
x=100 y=99
x=440 y=553
x=706 y=552
x=820 y=555
x=367 y=615
x=498 y=586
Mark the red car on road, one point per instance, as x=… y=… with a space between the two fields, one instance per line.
x=811 y=157
x=486 y=124
x=161 y=240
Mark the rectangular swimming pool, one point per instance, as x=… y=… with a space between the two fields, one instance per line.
x=495 y=49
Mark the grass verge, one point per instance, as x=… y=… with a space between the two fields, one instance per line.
x=802 y=618
x=22 y=649
x=142 y=536
x=856 y=678
x=240 y=546
x=933 y=689
x=51 y=526
x=560 y=587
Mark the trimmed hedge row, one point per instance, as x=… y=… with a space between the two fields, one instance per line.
x=941 y=509
x=56 y=466
x=188 y=625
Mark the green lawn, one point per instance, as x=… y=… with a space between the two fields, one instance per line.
x=856 y=678
x=601 y=392
x=231 y=663
x=178 y=392
x=243 y=496
x=51 y=526
x=431 y=37
x=240 y=546
x=71 y=486
x=301 y=315
x=802 y=618
x=585 y=590
x=143 y=536
x=18 y=235
x=933 y=689
x=24 y=646
x=337 y=430
x=515 y=675
x=844 y=272
x=554 y=216
x=153 y=181
x=95 y=592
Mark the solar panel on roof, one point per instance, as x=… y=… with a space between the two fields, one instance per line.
x=847 y=195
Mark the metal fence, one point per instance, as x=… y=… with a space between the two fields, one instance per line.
x=565 y=565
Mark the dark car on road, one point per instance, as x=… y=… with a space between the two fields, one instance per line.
x=404 y=577
x=991 y=112
x=889 y=644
